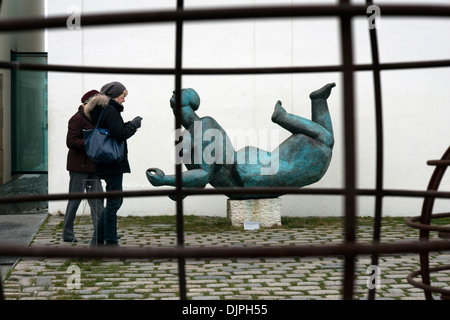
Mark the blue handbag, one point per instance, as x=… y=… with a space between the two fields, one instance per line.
x=101 y=146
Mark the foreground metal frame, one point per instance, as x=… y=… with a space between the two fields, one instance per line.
x=349 y=249
x=423 y=223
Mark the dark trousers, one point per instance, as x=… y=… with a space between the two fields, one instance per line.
x=80 y=182
x=106 y=231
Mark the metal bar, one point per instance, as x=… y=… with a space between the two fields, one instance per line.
x=2 y=297
x=349 y=249
x=438 y=163
x=349 y=149
x=178 y=167
x=209 y=191
x=261 y=12
x=426 y=217
x=14 y=65
x=426 y=287
x=412 y=222
x=379 y=144
x=343 y=249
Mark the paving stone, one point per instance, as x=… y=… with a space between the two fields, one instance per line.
x=306 y=278
x=206 y=298
x=321 y=292
x=161 y=295
x=109 y=291
x=128 y=296
x=217 y=285
x=305 y=288
x=94 y=296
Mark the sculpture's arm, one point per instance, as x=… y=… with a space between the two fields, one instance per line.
x=194 y=178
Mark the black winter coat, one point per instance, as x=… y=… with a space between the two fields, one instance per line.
x=77 y=159
x=113 y=121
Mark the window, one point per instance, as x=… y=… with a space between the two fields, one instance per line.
x=29 y=127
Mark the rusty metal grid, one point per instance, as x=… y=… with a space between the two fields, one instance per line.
x=349 y=249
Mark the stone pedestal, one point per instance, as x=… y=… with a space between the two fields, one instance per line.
x=267 y=212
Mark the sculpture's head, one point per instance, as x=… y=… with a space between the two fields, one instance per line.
x=189 y=97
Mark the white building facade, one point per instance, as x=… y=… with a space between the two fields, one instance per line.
x=415 y=102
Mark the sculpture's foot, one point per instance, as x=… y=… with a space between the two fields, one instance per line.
x=322 y=93
x=279 y=112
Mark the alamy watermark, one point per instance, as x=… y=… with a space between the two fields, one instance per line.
x=74 y=280
x=42 y=285
x=374 y=280
x=73 y=22
x=374 y=20
x=214 y=146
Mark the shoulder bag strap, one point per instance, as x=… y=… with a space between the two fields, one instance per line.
x=98 y=121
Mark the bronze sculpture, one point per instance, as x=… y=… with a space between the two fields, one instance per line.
x=302 y=159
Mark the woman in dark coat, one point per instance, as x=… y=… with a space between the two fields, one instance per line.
x=111 y=97
x=81 y=169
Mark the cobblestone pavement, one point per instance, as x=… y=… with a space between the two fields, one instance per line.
x=312 y=278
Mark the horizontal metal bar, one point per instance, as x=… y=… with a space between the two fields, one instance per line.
x=344 y=249
x=81 y=195
x=207 y=14
x=223 y=191
x=319 y=191
x=14 y=65
x=444 y=163
x=426 y=287
x=412 y=222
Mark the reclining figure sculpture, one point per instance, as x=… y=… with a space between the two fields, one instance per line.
x=207 y=152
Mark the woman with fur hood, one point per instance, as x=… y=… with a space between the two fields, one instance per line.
x=81 y=169
x=110 y=101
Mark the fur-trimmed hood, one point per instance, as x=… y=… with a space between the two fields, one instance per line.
x=113 y=121
x=97 y=100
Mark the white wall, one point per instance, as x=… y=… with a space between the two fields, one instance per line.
x=415 y=103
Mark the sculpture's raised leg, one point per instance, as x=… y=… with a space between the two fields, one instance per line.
x=319 y=107
x=319 y=128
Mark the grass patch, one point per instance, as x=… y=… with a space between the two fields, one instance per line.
x=310 y=222
x=201 y=224
x=191 y=223
x=441 y=221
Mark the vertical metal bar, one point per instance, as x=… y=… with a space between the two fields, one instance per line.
x=1 y=285
x=179 y=177
x=379 y=144
x=2 y=297
x=349 y=149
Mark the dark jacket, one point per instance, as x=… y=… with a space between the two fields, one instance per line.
x=77 y=160
x=112 y=120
